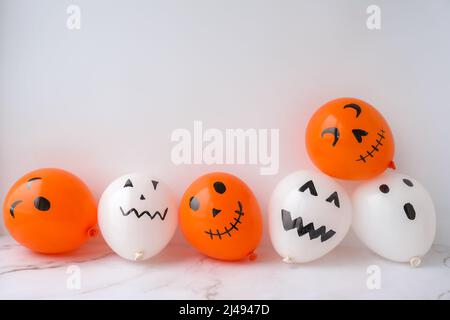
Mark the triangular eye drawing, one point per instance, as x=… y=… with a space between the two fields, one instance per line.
x=154 y=183
x=359 y=133
x=334 y=198
x=309 y=185
x=128 y=184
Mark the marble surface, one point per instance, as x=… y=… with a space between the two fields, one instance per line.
x=94 y=272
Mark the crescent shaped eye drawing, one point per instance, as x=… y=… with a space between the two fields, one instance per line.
x=334 y=131
x=355 y=107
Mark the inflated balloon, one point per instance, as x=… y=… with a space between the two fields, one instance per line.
x=394 y=216
x=219 y=215
x=50 y=211
x=309 y=215
x=349 y=139
x=137 y=216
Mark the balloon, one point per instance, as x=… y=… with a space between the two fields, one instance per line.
x=309 y=215
x=219 y=215
x=137 y=215
x=394 y=216
x=349 y=139
x=50 y=211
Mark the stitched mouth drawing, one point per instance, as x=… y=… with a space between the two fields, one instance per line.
x=143 y=213
x=228 y=229
x=375 y=148
x=297 y=223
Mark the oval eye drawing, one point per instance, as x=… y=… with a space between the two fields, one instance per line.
x=219 y=187
x=42 y=204
x=408 y=182
x=333 y=131
x=128 y=184
x=194 y=204
x=359 y=133
x=384 y=188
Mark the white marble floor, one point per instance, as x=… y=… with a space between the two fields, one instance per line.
x=181 y=273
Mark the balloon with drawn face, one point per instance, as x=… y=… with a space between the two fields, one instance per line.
x=394 y=216
x=349 y=139
x=50 y=211
x=219 y=215
x=137 y=216
x=309 y=215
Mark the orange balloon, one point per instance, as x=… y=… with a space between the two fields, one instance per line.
x=219 y=215
x=50 y=211
x=349 y=139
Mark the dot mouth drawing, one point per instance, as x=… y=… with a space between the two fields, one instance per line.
x=375 y=148
x=228 y=229
x=297 y=223
x=143 y=213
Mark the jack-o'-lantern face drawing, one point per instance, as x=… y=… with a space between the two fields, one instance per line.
x=220 y=216
x=50 y=211
x=347 y=138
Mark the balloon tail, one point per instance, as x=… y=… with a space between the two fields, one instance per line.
x=252 y=256
x=392 y=165
x=138 y=255
x=92 y=232
x=287 y=260
x=415 y=262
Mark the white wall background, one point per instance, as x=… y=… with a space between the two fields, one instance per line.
x=104 y=100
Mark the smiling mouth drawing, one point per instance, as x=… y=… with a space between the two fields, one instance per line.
x=228 y=230
x=13 y=207
x=409 y=210
x=375 y=148
x=139 y=215
x=297 y=223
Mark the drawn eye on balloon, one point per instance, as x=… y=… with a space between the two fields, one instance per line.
x=220 y=231
x=40 y=203
x=142 y=197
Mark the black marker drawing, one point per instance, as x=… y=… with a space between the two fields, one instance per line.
x=375 y=148
x=227 y=229
x=297 y=223
x=139 y=215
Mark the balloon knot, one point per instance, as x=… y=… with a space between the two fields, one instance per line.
x=392 y=165
x=92 y=232
x=415 y=262
x=252 y=256
x=287 y=260
x=139 y=255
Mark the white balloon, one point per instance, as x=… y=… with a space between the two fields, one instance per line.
x=137 y=216
x=309 y=215
x=394 y=216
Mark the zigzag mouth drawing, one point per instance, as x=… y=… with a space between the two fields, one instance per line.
x=297 y=223
x=139 y=215
x=375 y=148
x=231 y=228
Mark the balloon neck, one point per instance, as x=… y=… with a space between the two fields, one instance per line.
x=287 y=260
x=92 y=232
